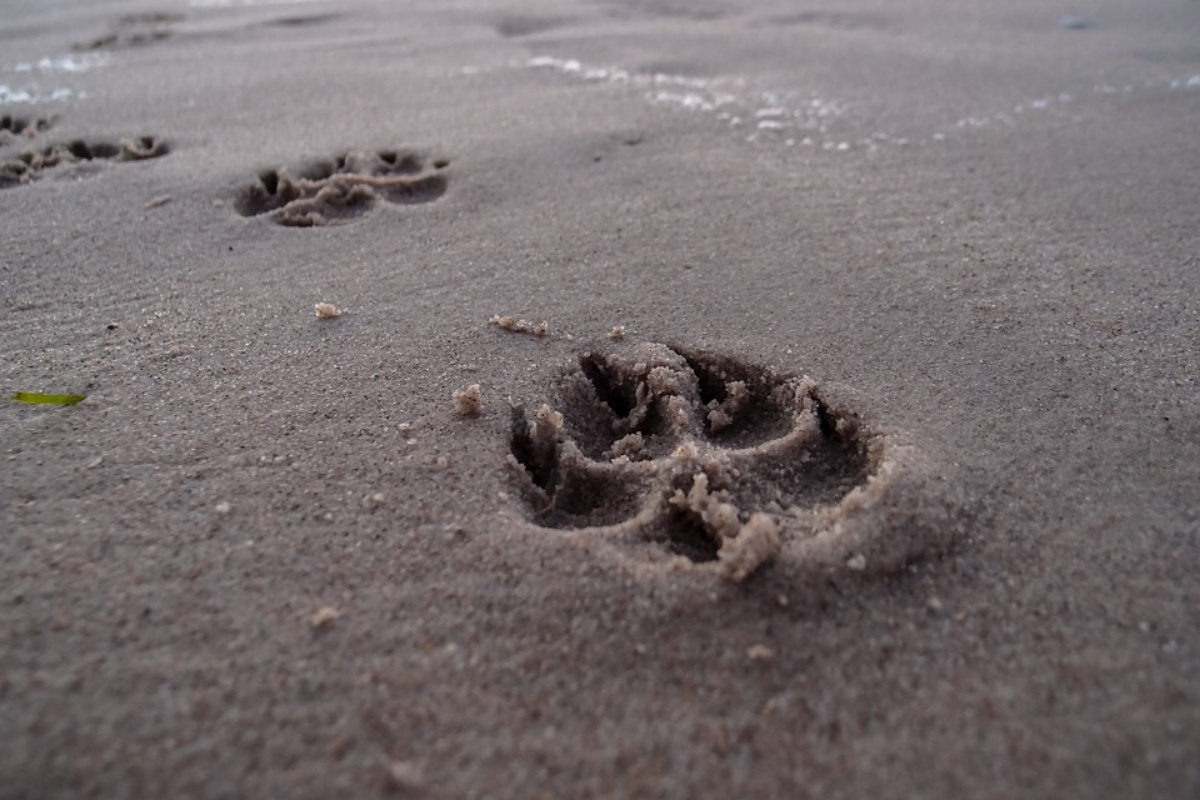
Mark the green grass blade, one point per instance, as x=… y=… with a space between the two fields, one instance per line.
x=48 y=399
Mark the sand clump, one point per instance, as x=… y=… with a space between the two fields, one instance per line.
x=630 y=446
x=742 y=547
x=756 y=543
x=327 y=311
x=403 y=777
x=324 y=617
x=514 y=325
x=760 y=653
x=723 y=413
x=468 y=402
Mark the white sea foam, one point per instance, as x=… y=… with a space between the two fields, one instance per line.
x=1049 y=102
x=238 y=3
x=8 y=94
x=67 y=63
x=792 y=117
x=727 y=98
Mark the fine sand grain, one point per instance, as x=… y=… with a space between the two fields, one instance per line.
x=735 y=399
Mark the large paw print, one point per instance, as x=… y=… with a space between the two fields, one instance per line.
x=712 y=458
x=340 y=189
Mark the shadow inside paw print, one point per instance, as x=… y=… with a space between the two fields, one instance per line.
x=28 y=165
x=343 y=188
x=710 y=457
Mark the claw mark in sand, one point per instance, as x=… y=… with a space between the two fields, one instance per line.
x=717 y=465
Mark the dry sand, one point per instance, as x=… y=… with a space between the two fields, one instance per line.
x=266 y=557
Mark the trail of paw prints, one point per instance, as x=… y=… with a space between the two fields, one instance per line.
x=714 y=461
x=29 y=165
x=133 y=30
x=343 y=188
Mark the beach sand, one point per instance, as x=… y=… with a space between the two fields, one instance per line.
x=715 y=399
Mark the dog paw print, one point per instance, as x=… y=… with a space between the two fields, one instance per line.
x=28 y=165
x=13 y=128
x=133 y=30
x=341 y=189
x=710 y=458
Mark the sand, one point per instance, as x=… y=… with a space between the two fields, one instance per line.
x=905 y=294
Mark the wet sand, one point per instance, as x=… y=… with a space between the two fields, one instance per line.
x=858 y=454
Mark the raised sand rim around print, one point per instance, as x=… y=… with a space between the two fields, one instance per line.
x=719 y=465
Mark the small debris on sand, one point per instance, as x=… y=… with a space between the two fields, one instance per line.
x=857 y=562
x=38 y=398
x=617 y=333
x=223 y=508
x=155 y=202
x=760 y=652
x=403 y=776
x=468 y=402
x=505 y=322
x=325 y=617
x=328 y=311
